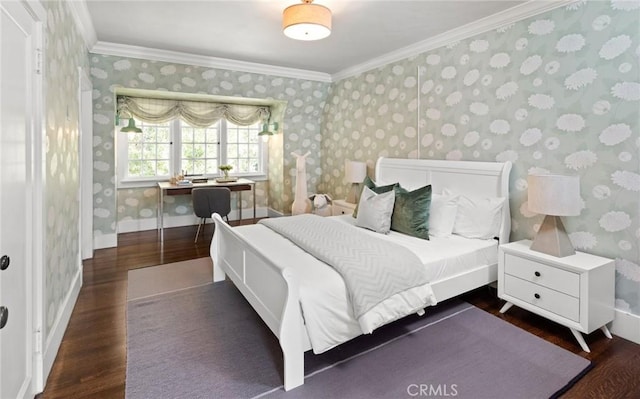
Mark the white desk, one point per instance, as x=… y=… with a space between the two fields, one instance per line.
x=166 y=188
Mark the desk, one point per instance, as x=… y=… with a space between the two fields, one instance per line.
x=172 y=189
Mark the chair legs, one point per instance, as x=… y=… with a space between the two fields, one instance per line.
x=205 y=222
x=199 y=225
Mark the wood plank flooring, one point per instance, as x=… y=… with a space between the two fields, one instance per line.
x=91 y=361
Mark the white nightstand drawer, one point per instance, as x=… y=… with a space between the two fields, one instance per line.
x=544 y=298
x=544 y=275
x=342 y=207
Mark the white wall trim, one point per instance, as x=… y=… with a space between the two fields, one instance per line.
x=626 y=325
x=502 y=18
x=131 y=225
x=54 y=337
x=145 y=53
x=105 y=241
x=82 y=18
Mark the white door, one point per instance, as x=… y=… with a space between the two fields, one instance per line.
x=16 y=69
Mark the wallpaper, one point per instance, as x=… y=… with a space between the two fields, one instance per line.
x=301 y=126
x=559 y=92
x=65 y=51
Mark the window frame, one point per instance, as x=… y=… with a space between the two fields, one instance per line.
x=175 y=130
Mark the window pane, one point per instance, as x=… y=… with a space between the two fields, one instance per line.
x=200 y=148
x=148 y=152
x=244 y=148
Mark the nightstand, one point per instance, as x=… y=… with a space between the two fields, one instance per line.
x=576 y=291
x=342 y=207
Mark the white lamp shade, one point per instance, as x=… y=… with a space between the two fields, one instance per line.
x=355 y=172
x=555 y=195
x=306 y=21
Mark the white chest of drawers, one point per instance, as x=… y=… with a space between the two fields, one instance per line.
x=576 y=291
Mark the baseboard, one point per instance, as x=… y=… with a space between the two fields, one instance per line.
x=626 y=325
x=131 y=225
x=54 y=338
x=105 y=241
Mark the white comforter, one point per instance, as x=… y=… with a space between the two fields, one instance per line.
x=326 y=310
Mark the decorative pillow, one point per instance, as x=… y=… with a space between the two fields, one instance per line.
x=444 y=209
x=478 y=217
x=411 y=212
x=376 y=189
x=375 y=210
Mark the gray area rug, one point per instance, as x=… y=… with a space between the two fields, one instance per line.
x=207 y=342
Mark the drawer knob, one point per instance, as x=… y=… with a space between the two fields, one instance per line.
x=537 y=296
x=537 y=274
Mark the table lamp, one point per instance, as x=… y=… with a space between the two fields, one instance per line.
x=554 y=196
x=354 y=172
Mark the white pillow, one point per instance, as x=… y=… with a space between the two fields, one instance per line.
x=374 y=210
x=478 y=217
x=442 y=215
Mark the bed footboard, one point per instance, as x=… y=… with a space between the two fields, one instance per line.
x=272 y=291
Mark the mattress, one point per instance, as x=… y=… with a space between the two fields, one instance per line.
x=327 y=314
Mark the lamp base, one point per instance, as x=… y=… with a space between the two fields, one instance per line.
x=552 y=238
x=353 y=195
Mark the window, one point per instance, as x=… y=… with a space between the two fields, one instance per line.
x=166 y=149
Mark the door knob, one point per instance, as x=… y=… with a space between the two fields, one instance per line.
x=4 y=316
x=4 y=262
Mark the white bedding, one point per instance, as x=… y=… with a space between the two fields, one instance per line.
x=327 y=314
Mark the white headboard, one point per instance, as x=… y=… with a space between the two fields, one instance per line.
x=489 y=179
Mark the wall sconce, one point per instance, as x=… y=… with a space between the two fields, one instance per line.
x=131 y=127
x=265 y=133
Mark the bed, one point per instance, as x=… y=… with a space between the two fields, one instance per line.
x=306 y=307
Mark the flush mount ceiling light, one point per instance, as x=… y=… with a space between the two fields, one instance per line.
x=306 y=21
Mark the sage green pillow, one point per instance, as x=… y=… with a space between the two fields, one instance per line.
x=411 y=212
x=376 y=189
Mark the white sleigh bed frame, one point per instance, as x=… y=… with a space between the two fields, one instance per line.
x=273 y=291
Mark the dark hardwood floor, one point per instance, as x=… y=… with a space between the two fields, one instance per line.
x=91 y=361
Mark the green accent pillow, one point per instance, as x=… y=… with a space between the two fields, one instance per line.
x=376 y=189
x=411 y=212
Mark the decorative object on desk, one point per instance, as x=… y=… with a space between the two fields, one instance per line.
x=554 y=196
x=321 y=204
x=176 y=178
x=354 y=172
x=225 y=170
x=183 y=182
x=306 y=21
x=301 y=204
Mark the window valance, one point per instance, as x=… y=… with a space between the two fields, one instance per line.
x=195 y=113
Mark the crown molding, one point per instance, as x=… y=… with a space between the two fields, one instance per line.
x=145 y=53
x=494 y=21
x=83 y=21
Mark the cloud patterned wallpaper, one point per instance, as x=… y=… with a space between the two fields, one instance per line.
x=65 y=51
x=558 y=92
x=301 y=124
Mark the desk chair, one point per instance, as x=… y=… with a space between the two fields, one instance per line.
x=207 y=200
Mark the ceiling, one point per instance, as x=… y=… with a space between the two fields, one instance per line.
x=250 y=30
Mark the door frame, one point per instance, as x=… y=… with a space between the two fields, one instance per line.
x=37 y=194
x=85 y=146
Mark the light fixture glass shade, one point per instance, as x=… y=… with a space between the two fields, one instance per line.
x=554 y=195
x=306 y=21
x=131 y=127
x=265 y=129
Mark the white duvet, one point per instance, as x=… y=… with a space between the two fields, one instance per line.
x=327 y=314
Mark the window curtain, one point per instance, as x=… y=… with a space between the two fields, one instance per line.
x=195 y=113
